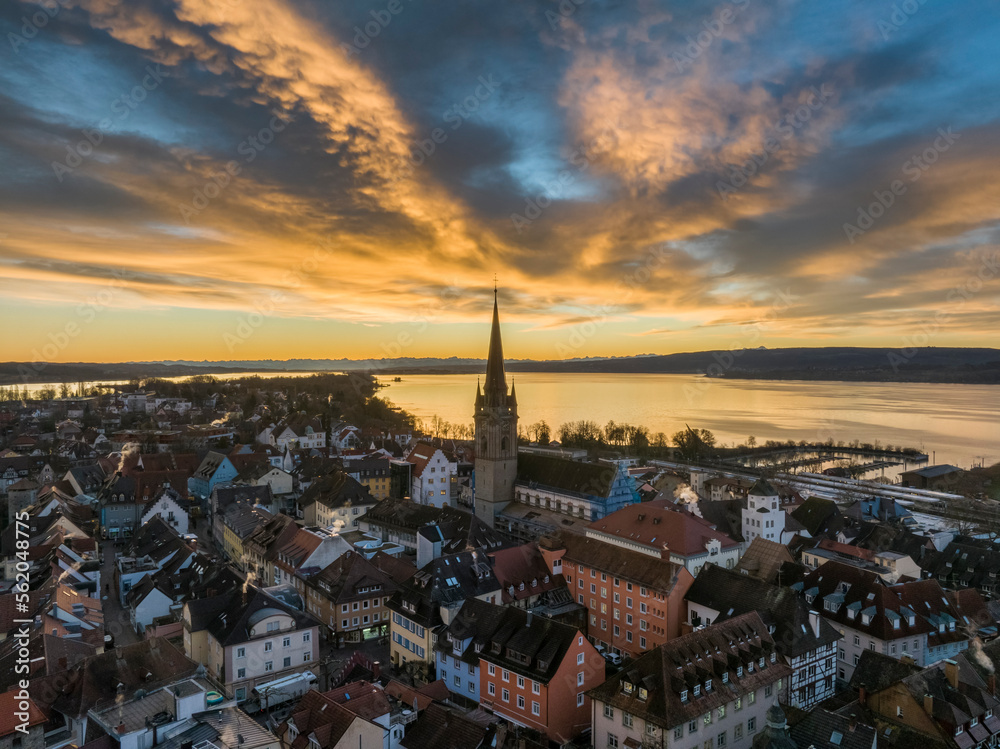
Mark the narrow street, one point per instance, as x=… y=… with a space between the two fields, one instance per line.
x=116 y=618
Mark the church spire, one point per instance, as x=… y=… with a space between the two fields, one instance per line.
x=496 y=382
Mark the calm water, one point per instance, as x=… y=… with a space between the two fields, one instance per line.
x=960 y=424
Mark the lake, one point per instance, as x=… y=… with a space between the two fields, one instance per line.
x=958 y=424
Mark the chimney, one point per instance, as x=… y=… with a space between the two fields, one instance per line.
x=862 y=694
x=814 y=622
x=928 y=704
x=527 y=623
x=951 y=671
x=376 y=670
x=993 y=684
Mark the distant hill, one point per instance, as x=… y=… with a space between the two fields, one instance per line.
x=955 y=365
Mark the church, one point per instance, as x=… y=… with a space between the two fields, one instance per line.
x=529 y=495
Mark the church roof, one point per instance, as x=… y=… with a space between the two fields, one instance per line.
x=495 y=387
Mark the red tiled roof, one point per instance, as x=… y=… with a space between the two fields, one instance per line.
x=9 y=704
x=664 y=526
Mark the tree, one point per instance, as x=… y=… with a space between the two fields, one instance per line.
x=751 y=441
x=693 y=443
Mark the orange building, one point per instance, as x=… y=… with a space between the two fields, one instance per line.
x=634 y=602
x=535 y=672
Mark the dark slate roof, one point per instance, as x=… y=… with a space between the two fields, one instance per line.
x=225 y=495
x=876 y=671
x=964 y=564
x=456 y=529
x=444 y=581
x=541 y=641
x=442 y=728
x=762 y=488
x=228 y=616
x=725 y=514
x=476 y=621
x=582 y=479
x=340 y=580
x=732 y=594
x=93 y=682
x=335 y=490
x=820 y=727
x=268 y=538
x=713 y=653
x=817 y=515
x=866 y=593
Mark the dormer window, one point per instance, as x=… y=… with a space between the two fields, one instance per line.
x=774 y=657
x=628 y=687
x=760 y=663
x=895 y=623
x=750 y=667
x=959 y=728
x=725 y=678
x=911 y=620
x=866 y=619
x=708 y=686
x=684 y=696
x=974 y=722
x=643 y=693
x=697 y=690
x=739 y=672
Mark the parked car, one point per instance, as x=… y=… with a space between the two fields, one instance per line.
x=613 y=658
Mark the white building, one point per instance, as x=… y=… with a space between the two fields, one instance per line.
x=433 y=476
x=763 y=516
x=170 y=507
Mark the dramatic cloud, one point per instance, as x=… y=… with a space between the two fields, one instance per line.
x=354 y=174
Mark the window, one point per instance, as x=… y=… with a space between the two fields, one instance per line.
x=579 y=679
x=536 y=709
x=520 y=682
x=273 y=626
x=707 y=719
x=520 y=701
x=241 y=673
x=721 y=712
x=579 y=659
x=492 y=669
x=737 y=732
x=286 y=642
x=684 y=695
x=472 y=687
x=579 y=699
x=721 y=739
x=306 y=657
x=627 y=719
x=678 y=732
x=612 y=741
x=506 y=695
x=269 y=666
x=751 y=725
x=505 y=675
x=306 y=636
x=609 y=712
x=491 y=688
x=241 y=652
x=692 y=726
x=286 y=662
x=536 y=688
x=767 y=690
x=268 y=646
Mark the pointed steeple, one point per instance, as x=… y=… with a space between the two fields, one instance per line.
x=495 y=388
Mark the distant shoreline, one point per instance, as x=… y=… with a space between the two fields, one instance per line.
x=930 y=365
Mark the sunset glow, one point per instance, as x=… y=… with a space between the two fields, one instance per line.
x=229 y=180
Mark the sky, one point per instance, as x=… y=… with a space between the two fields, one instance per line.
x=251 y=179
